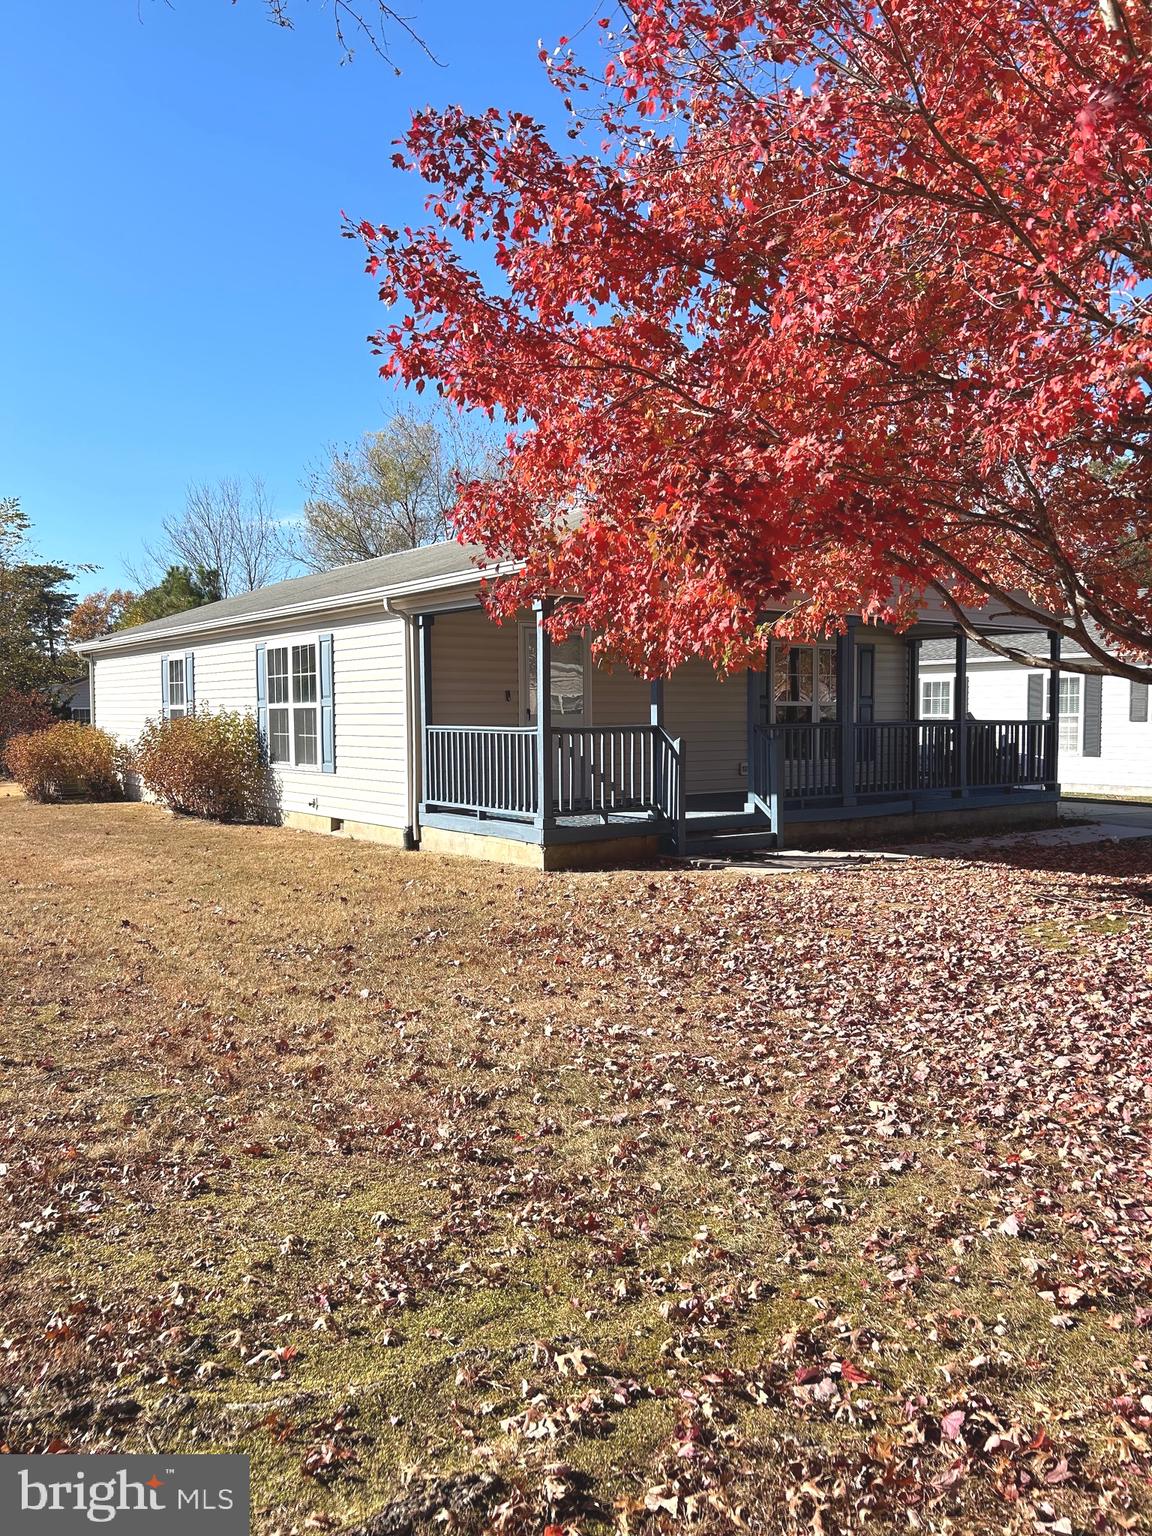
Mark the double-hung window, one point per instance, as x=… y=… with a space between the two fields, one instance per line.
x=1069 y=714
x=177 y=688
x=936 y=698
x=803 y=683
x=294 y=704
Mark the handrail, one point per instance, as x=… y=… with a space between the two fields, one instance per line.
x=481 y=768
x=900 y=757
x=601 y=771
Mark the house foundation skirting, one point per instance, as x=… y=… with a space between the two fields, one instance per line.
x=961 y=820
x=598 y=853
x=365 y=831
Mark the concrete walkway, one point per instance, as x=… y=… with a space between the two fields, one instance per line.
x=1088 y=821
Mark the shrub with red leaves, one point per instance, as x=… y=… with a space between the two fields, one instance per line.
x=23 y=711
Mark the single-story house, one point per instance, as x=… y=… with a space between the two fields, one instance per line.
x=73 y=699
x=1105 y=736
x=393 y=707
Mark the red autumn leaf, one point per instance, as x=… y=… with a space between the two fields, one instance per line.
x=820 y=348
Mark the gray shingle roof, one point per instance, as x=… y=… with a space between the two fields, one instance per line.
x=945 y=650
x=428 y=563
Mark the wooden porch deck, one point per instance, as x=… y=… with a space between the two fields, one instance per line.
x=618 y=781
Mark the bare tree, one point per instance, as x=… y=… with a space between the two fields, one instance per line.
x=227 y=526
x=371 y=22
x=392 y=490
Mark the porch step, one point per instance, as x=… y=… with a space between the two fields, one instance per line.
x=717 y=843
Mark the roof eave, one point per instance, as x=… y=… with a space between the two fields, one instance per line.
x=365 y=599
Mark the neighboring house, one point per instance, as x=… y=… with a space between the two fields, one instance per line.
x=74 y=698
x=1105 y=736
x=394 y=708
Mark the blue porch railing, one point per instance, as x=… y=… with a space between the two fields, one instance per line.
x=801 y=763
x=637 y=773
x=596 y=772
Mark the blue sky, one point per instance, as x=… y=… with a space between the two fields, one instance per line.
x=178 y=302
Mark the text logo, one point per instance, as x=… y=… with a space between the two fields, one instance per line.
x=58 y=1495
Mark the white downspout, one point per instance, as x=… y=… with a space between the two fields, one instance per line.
x=411 y=723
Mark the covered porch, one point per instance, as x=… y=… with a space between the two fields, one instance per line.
x=526 y=740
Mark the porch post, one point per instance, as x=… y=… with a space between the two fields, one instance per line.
x=960 y=713
x=656 y=721
x=751 y=720
x=846 y=709
x=1053 y=753
x=545 y=816
x=425 y=622
x=913 y=678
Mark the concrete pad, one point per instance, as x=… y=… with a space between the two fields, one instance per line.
x=1087 y=822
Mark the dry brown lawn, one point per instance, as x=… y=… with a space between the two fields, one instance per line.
x=465 y=1198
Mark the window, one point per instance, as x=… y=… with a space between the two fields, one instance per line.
x=1069 y=714
x=803 y=683
x=293 y=705
x=936 y=698
x=177 y=694
x=568 y=662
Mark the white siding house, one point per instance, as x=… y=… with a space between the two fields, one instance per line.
x=393 y=707
x=367 y=782
x=1105 y=733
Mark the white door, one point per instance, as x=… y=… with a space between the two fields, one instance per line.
x=569 y=679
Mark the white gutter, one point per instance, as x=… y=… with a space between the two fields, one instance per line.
x=372 y=595
x=411 y=717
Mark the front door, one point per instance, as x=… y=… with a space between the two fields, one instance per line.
x=569 y=679
x=804 y=698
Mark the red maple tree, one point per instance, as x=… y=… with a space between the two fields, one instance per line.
x=819 y=296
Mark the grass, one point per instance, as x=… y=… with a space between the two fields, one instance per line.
x=607 y=1202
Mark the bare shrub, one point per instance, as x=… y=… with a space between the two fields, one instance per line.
x=66 y=759
x=208 y=764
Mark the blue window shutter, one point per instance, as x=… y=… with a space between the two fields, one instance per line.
x=1093 y=700
x=189 y=682
x=164 y=685
x=1035 y=696
x=262 y=693
x=327 y=714
x=1137 y=701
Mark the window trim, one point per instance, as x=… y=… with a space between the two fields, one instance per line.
x=1077 y=715
x=176 y=711
x=285 y=643
x=937 y=682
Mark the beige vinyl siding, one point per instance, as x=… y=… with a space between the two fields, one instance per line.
x=711 y=717
x=476 y=666
x=891 y=683
x=619 y=697
x=370 y=782
x=475 y=670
